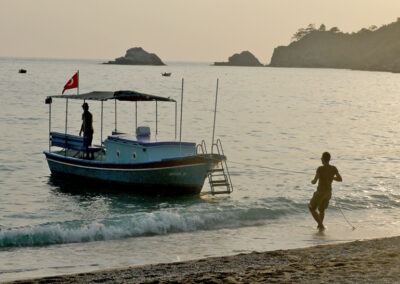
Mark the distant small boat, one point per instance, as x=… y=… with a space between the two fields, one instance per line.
x=21 y=71
x=166 y=74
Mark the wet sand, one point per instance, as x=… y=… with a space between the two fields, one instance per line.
x=370 y=261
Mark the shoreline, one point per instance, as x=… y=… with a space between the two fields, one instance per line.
x=367 y=261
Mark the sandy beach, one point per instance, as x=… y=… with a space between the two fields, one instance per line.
x=369 y=261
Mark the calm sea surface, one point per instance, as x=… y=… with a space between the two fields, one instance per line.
x=267 y=118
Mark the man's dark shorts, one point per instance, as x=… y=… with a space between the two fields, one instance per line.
x=320 y=200
x=87 y=139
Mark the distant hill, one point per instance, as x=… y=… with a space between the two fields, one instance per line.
x=245 y=58
x=374 y=48
x=137 y=56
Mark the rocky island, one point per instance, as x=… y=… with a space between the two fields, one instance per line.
x=245 y=58
x=137 y=56
x=375 y=49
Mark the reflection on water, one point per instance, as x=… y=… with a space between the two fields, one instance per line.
x=87 y=192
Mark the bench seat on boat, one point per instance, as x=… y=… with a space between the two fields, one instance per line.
x=68 y=141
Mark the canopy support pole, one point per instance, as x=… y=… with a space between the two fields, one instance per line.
x=156 y=119
x=180 y=127
x=50 y=128
x=215 y=116
x=135 y=116
x=176 y=116
x=66 y=125
x=115 y=111
x=101 y=131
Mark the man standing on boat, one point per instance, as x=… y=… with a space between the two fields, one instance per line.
x=325 y=175
x=87 y=129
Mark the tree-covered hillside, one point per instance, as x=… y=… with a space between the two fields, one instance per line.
x=368 y=49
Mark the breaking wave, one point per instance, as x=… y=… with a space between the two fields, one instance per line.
x=160 y=222
x=169 y=220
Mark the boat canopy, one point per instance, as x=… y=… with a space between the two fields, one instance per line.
x=118 y=95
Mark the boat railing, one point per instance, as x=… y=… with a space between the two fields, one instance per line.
x=201 y=148
x=69 y=141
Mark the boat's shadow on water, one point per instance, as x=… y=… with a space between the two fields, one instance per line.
x=87 y=188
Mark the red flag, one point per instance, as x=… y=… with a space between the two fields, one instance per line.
x=72 y=83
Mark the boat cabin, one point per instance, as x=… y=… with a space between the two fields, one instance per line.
x=123 y=148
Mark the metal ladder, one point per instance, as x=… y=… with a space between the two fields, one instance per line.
x=220 y=176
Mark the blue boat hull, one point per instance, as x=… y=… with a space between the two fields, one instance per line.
x=172 y=176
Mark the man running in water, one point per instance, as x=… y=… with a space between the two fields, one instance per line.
x=325 y=175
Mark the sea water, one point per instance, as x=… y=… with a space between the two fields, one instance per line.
x=274 y=123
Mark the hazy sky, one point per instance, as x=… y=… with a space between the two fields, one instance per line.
x=176 y=30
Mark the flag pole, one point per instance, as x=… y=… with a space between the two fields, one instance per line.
x=78 y=83
x=66 y=126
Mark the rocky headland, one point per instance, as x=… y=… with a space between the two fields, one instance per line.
x=375 y=49
x=245 y=58
x=137 y=56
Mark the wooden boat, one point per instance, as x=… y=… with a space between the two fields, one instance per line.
x=136 y=163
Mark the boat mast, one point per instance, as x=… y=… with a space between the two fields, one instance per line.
x=215 y=116
x=180 y=127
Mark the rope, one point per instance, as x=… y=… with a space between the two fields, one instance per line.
x=297 y=172
x=272 y=168
x=340 y=208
